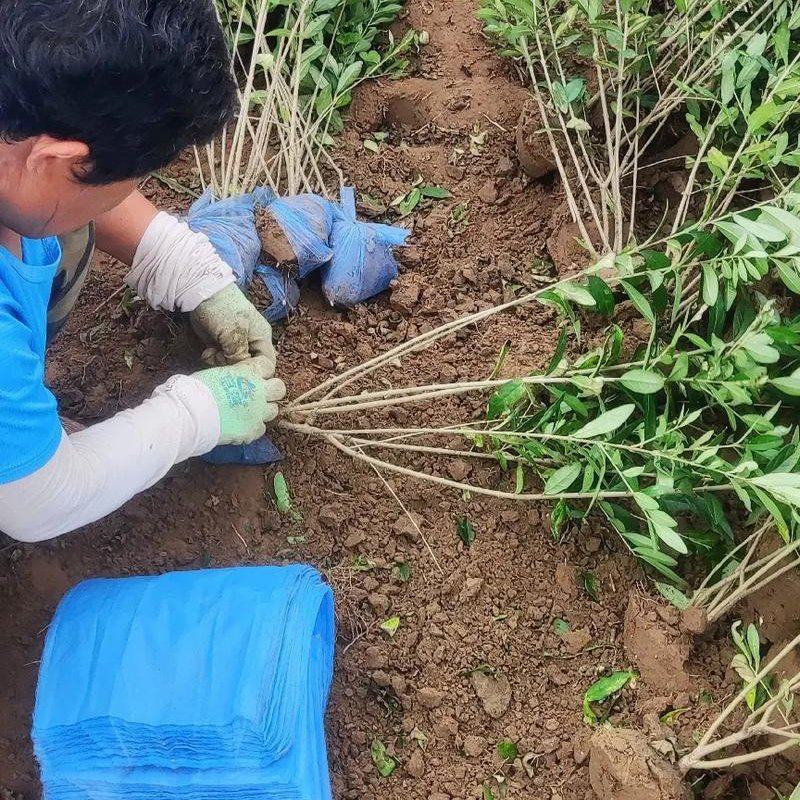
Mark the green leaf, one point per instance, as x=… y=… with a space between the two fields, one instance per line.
x=325 y=5
x=673 y=595
x=640 y=301
x=763 y=114
x=466 y=531
x=560 y=626
x=507 y=750
x=642 y=381
x=783 y=485
x=507 y=396
x=578 y=294
x=710 y=285
x=763 y=230
x=790 y=277
x=283 y=500
x=590 y=585
x=574 y=89
x=408 y=202
x=559 y=95
x=606 y=423
x=435 y=192
x=601 y=690
x=563 y=478
x=558 y=353
x=788 y=384
x=390 y=625
x=603 y=297
x=671 y=538
x=349 y=76
x=384 y=763
x=403 y=572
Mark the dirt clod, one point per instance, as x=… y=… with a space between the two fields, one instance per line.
x=430 y=697
x=405 y=295
x=533 y=147
x=623 y=766
x=694 y=621
x=474 y=746
x=274 y=243
x=658 y=650
x=494 y=692
x=415 y=766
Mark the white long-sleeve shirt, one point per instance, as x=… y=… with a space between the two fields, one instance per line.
x=65 y=481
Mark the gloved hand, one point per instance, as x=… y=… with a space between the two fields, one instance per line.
x=233 y=329
x=245 y=399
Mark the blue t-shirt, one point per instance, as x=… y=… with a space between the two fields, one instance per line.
x=30 y=430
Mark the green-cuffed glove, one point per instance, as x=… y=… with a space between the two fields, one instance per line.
x=233 y=329
x=245 y=399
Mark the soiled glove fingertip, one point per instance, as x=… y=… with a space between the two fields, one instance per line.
x=276 y=389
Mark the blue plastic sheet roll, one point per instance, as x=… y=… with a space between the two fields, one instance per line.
x=188 y=686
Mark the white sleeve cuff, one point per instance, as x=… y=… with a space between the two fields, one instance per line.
x=176 y=268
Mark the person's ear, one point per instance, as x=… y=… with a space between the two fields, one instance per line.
x=47 y=154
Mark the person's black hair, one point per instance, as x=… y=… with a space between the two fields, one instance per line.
x=135 y=80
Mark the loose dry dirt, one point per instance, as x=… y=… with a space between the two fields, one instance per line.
x=476 y=659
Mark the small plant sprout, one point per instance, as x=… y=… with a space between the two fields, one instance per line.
x=747 y=662
x=466 y=531
x=406 y=203
x=507 y=750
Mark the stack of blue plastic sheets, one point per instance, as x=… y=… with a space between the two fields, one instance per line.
x=201 y=685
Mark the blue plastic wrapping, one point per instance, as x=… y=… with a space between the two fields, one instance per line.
x=258 y=453
x=284 y=290
x=190 y=685
x=306 y=221
x=362 y=264
x=231 y=227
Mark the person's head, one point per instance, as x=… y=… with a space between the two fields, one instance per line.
x=95 y=94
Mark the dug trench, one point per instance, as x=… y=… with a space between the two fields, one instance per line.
x=477 y=658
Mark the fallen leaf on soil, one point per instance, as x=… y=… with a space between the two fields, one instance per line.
x=390 y=625
x=384 y=763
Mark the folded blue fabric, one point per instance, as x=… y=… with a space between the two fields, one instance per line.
x=193 y=685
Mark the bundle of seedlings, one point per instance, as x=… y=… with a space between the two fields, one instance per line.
x=270 y=142
x=616 y=84
x=297 y=64
x=650 y=435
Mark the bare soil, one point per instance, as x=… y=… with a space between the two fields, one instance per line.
x=477 y=658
